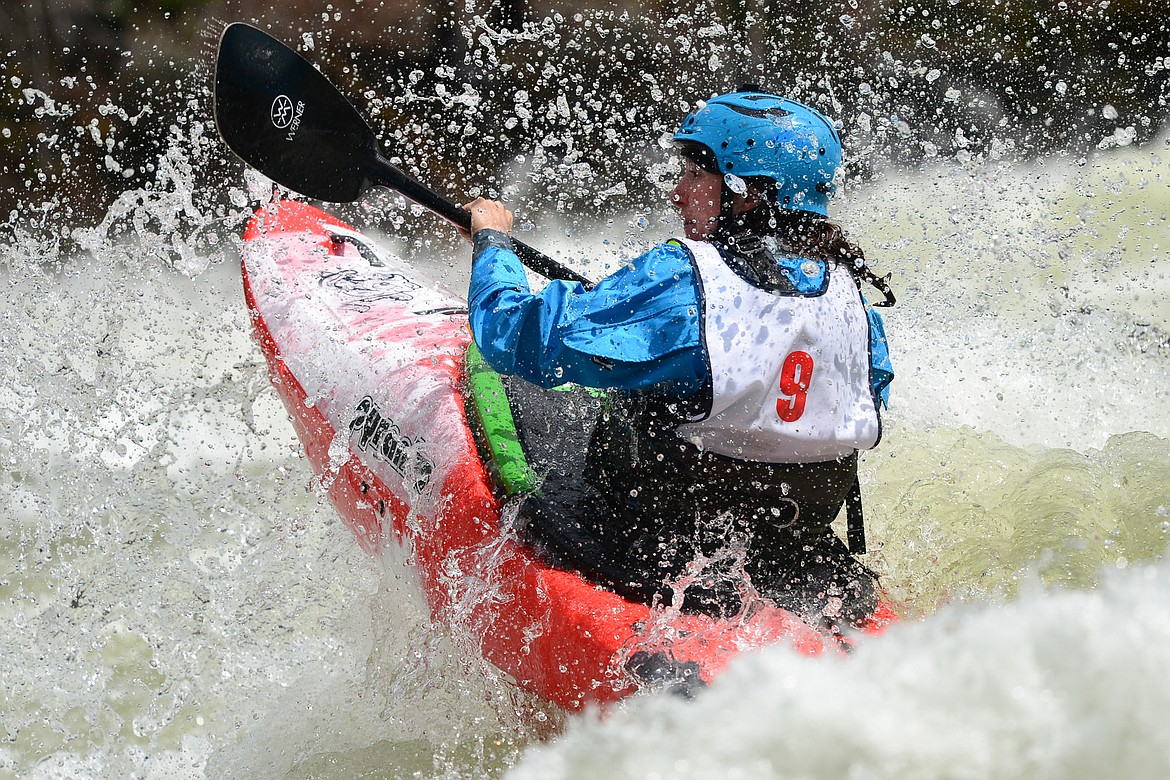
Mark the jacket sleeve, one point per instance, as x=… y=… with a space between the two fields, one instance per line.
x=881 y=368
x=636 y=329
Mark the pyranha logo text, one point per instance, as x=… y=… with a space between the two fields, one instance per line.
x=381 y=436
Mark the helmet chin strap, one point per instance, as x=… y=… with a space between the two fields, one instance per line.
x=725 y=226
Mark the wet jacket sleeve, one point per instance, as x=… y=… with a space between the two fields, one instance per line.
x=636 y=329
x=881 y=371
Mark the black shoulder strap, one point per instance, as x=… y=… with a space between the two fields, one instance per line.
x=855 y=532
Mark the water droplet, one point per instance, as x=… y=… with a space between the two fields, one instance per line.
x=736 y=184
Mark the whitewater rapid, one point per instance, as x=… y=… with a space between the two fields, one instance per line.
x=177 y=601
x=1065 y=685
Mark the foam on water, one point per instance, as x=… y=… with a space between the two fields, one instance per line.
x=1064 y=684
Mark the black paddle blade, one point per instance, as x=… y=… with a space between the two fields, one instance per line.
x=283 y=117
x=280 y=115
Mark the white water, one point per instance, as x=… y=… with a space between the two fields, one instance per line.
x=175 y=603
x=1068 y=686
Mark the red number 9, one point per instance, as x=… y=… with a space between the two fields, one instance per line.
x=795 y=377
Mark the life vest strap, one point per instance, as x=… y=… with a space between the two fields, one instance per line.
x=855 y=532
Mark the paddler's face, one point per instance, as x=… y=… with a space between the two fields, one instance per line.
x=697 y=196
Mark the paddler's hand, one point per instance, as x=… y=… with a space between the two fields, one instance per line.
x=489 y=214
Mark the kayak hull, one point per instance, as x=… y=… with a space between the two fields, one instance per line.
x=368 y=358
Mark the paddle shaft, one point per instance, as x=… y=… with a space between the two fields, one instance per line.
x=388 y=175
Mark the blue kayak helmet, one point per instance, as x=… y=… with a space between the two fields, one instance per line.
x=752 y=133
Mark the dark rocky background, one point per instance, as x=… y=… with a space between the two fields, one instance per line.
x=567 y=102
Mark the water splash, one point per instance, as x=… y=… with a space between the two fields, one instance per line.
x=1060 y=684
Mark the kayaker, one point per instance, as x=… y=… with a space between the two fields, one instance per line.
x=746 y=373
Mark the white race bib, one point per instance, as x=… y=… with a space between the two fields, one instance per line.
x=789 y=372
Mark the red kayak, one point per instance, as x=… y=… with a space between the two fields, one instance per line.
x=369 y=358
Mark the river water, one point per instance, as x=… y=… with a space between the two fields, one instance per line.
x=177 y=601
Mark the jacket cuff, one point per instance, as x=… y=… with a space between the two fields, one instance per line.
x=486 y=237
